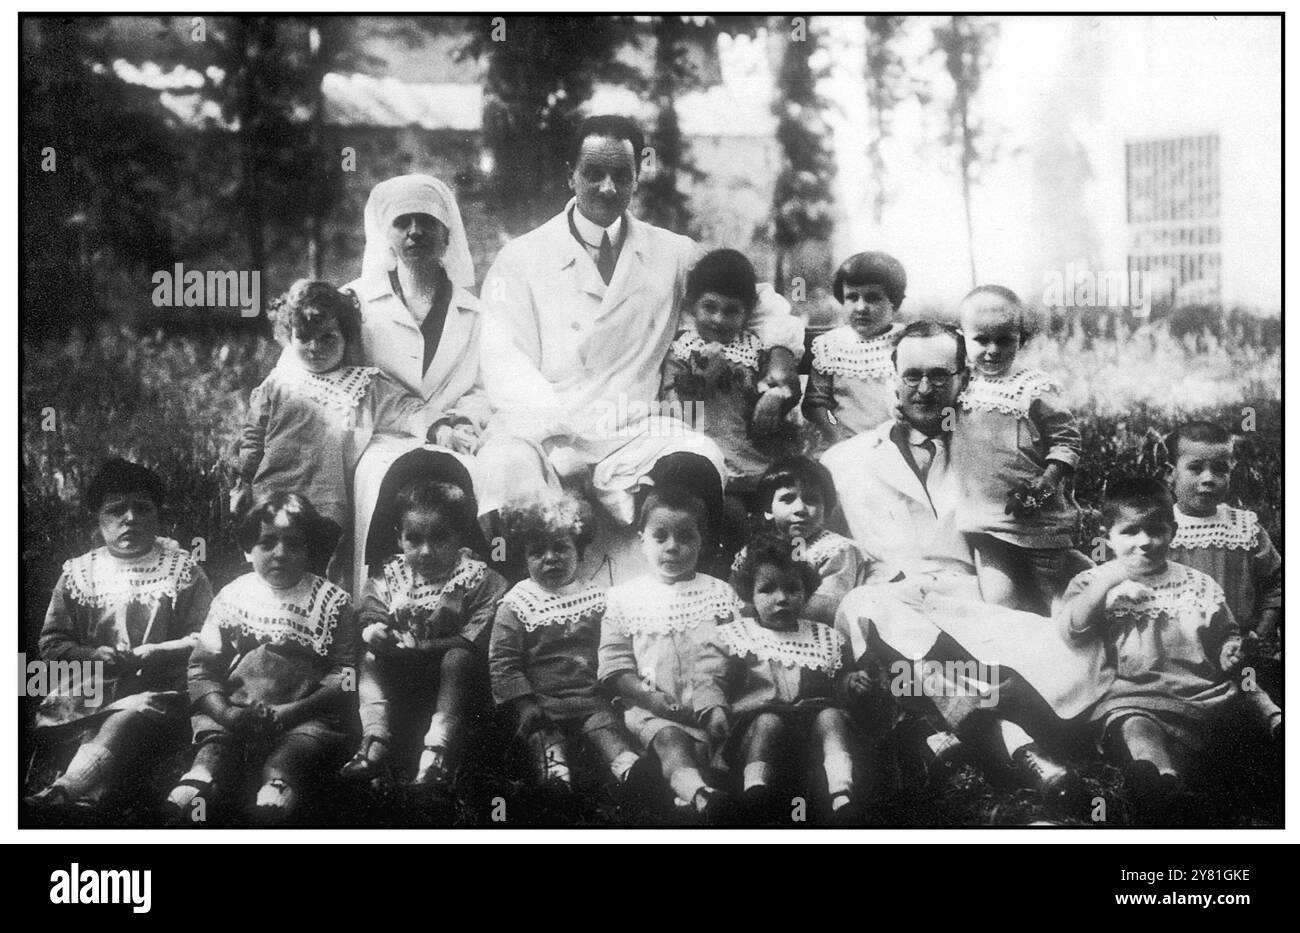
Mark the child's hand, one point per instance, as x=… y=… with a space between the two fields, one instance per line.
x=241 y=498
x=461 y=437
x=140 y=655
x=531 y=717
x=666 y=706
x=1236 y=652
x=717 y=726
x=261 y=718
x=858 y=685
x=1029 y=497
x=770 y=410
x=379 y=638
x=109 y=657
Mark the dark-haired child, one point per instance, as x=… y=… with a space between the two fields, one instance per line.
x=543 y=655
x=426 y=617
x=130 y=611
x=851 y=385
x=311 y=418
x=1172 y=645
x=796 y=494
x=772 y=681
x=1014 y=451
x=269 y=676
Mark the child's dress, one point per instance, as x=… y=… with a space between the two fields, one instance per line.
x=1162 y=642
x=852 y=379
x=421 y=611
x=1009 y=428
x=1233 y=550
x=656 y=631
x=723 y=384
x=840 y=564
x=275 y=646
x=545 y=645
x=105 y=601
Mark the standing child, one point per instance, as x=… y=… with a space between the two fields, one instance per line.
x=851 y=386
x=653 y=631
x=1014 y=450
x=268 y=677
x=426 y=619
x=311 y=418
x=543 y=657
x=796 y=495
x=1172 y=646
x=129 y=611
x=770 y=682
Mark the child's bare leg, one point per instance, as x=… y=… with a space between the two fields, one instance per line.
x=210 y=769
x=1144 y=740
x=374 y=708
x=676 y=752
x=762 y=745
x=457 y=670
x=606 y=735
x=997 y=571
x=97 y=763
x=832 y=731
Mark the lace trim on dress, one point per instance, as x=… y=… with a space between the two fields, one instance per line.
x=847 y=354
x=1011 y=395
x=306 y=613
x=810 y=646
x=743 y=351
x=536 y=607
x=1227 y=528
x=1178 y=592
x=99 y=579
x=340 y=391
x=409 y=590
x=647 y=606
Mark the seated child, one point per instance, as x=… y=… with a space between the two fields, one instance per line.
x=1014 y=450
x=311 y=418
x=129 y=611
x=718 y=366
x=1172 y=645
x=545 y=640
x=268 y=678
x=851 y=385
x=769 y=683
x=796 y=495
x=426 y=617
x=653 y=631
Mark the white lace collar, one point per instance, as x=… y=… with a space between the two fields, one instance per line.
x=843 y=352
x=808 y=645
x=409 y=590
x=99 y=579
x=648 y=606
x=1012 y=394
x=743 y=351
x=306 y=613
x=1226 y=528
x=536 y=607
x=339 y=390
x=1174 y=594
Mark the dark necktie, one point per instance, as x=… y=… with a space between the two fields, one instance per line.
x=924 y=462
x=605 y=263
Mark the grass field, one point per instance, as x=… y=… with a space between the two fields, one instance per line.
x=175 y=403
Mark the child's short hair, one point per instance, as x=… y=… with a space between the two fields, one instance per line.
x=872 y=269
x=1007 y=296
x=1138 y=492
x=526 y=521
x=771 y=551
x=447 y=499
x=309 y=304
x=727 y=272
x=796 y=471
x=1201 y=432
x=321 y=533
x=674 y=497
x=117 y=476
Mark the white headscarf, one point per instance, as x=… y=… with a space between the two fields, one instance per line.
x=415 y=194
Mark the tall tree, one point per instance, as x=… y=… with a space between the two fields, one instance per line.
x=887 y=84
x=663 y=201
x=965 y=43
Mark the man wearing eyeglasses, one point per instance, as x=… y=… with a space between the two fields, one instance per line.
x=899 y=500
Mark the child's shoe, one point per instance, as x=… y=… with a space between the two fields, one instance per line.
x=716 y=807
x=1058 y=785
x=759 y=804
x=364 y=768
x=434 y=771
x=642 y=782
x=275 y=803
x=845 y=810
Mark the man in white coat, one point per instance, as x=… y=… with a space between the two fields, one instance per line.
x=899 y=500
x=578 y=317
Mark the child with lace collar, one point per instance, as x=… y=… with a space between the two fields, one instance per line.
x=770 y=683
x=1172 y=646
x=1014 y=450
x=311 y=418
x=128 y=613
x=543 y=656
x=269 y=677
x=851 y=384
x=651 y=637
x=796 y=494
x=715 y=369
x=426 y=616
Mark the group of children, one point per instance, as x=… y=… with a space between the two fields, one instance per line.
x=677 y=680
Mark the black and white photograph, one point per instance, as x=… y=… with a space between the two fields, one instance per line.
x=782 y=421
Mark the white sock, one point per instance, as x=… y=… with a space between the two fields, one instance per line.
x=183 y=795
x=276 y=794
x=623 y=763
x=87 y=770
x=686 y=783
x=442 y=730
x=757 y=773
x=839 y=772
x=1013 y=737
x=940 y=742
